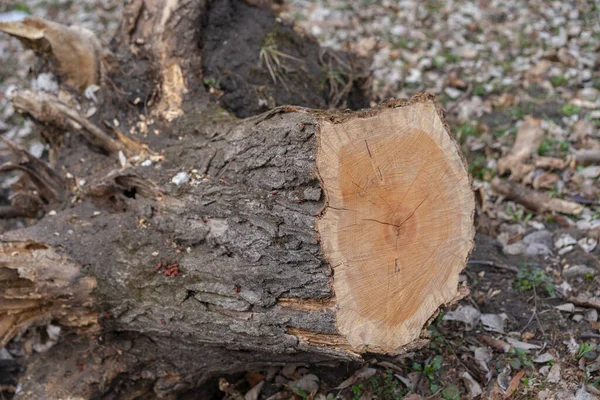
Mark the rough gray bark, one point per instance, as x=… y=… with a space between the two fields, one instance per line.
x=252 y=274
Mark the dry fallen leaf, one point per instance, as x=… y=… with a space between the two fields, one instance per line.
x=253 y=393
x=504 y=100
x=308 y=384
x=514 y=383
x=361 y=374
x=539 y=70
x=529 y=138
x=465 y=314
x=527 y=336
x=493 y=322
x=472 y=385
x=521 y=345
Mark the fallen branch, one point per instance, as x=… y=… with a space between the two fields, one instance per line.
x=585 y=301
x=537 y=202
x=589 y=156
x=49 y=109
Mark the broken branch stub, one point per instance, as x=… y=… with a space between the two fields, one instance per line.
x=49 y=110
x=50 y=185
x=535 y=201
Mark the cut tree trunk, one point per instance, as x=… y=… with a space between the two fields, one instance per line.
x=179 y=242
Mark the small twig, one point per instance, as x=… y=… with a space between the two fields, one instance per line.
x=453 y=351
x=434 y=395
x=589 y=335
x=277 y=110
x=494 y=264
x=463 y=96
x=534 y=314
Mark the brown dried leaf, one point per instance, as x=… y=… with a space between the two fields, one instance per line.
x=24 y=29
x=365 y=47
x=566 y=58
x=527 y=336
x=504 y=100
x=550 y=162
x=529 y=138
x=539 y=70
x=455 y=81
x=546 y=180
x=514 y=383
x=253 y=393
x=498 y=345
x=254 y=378
x=347 y=383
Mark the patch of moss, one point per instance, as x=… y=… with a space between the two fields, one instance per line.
x=22 y=7
x=570 y=109
x=559 y=80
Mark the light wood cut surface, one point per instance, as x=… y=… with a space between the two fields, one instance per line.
x=398 y=225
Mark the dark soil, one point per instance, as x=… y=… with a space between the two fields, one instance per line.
x=239 y=41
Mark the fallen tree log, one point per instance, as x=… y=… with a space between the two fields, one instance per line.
x=228 y=244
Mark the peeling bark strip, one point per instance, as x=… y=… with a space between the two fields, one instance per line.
x=38 y=286
x=398 y=224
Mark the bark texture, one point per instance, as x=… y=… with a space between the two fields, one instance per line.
x=254 y=286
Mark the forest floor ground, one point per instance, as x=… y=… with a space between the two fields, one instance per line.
x=516 y=77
